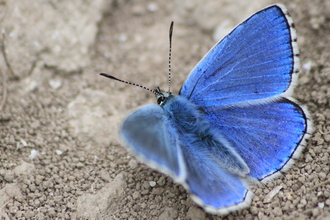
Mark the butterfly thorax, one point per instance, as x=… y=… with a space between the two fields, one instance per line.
x=184 y=114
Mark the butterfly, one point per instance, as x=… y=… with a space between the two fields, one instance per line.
x=234 y=122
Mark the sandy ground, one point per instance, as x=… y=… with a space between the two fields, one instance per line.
x=54 y=103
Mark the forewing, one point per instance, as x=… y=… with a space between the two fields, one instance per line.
x=147 y=133
x=257 y=60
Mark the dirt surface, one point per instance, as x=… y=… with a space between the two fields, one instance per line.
x=59 y=154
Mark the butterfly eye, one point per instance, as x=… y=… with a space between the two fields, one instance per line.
x=160 y=100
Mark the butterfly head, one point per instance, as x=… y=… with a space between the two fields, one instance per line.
x=161 y=96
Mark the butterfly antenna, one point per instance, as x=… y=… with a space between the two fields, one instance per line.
x=169 y=57
x=130 y=83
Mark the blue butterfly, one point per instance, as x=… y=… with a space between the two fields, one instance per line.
x=233 y=123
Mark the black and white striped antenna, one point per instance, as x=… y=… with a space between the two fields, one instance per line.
x=169 y=57
x=130 y=83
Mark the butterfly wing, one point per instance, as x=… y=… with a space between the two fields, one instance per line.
x=255 y=61
x=148 y=134
x=267 y=136
x=212 y=186
x=216 y=174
